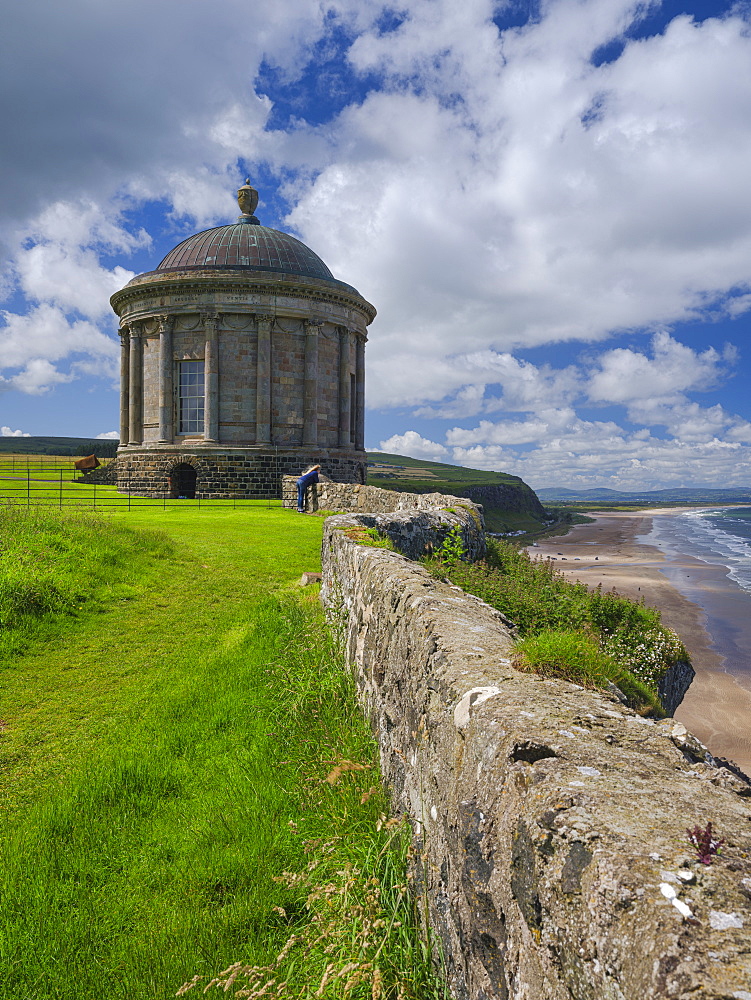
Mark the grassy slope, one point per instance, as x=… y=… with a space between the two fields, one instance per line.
x=88 y=669
x=58 y=446
x=162 y=760
x=415 y=476
x=438 y=470
x=568 y=631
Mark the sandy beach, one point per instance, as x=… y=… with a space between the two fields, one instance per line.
x=717 y=707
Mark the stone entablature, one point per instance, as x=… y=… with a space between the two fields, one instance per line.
x=198 y=288
x=549 y=821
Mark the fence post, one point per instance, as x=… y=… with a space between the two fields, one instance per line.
x=94 y=496
x=128 y=487
x=60 y=505
x=28 y=486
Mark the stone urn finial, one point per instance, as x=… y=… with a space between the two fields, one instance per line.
x=247 y=199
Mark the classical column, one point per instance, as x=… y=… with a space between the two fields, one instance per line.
x=345 y=402
x=166 y=431
x=310 y=400
x=211 y=380
x=124 y=386
x=360 y=394
x=135 y=387
x=263 y=381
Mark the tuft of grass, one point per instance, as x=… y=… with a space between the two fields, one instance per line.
x=356 y=938
x=369 y=536
x=630 y=639
x=578 y=657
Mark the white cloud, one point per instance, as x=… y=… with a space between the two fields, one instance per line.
x=75 y=87
x=46 y=332
x=45 y=335
x=502 y=191
x=490 y=191
x=618 y=461
x=628 y=376
x=413 y=445
x=554 y=445
x=57 y=258
x=467 y=402
x=6 y=432
x=38 y=377
x=72 y=280
x=507 y=432
x=108 y=436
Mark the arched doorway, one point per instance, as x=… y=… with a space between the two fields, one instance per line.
x=183 y=482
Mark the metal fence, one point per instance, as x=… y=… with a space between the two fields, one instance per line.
x=13 y=464
x=51 y=481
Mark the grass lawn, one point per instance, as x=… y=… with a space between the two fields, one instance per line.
x=164 y=749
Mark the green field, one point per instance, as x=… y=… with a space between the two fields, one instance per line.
x=172 y=706
x=52 y=481
x=399 y=472
x=58 y=446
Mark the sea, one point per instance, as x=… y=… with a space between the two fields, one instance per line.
x=707 y=556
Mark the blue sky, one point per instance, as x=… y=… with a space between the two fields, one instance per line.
x=548 y=203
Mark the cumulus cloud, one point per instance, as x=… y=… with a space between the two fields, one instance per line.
x=674 y=440
x=108 y=436
x=6 y=432
x=414 y=445
x=38 y=377
x=57 y=259
x=45 y=335
x=489 y=190
x=620 y=461
x=45 y=332
x=627 y=376
x=505 y=191
x=115 y=101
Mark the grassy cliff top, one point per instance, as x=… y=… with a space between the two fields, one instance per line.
x=519 y=509
x=394 y=472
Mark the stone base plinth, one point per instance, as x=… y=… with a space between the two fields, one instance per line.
x=227 y=473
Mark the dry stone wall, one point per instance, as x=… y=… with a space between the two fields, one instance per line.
x=345 y=496
x=549 y=821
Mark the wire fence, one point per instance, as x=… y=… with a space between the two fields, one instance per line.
x=12 y=464
x=52 y=481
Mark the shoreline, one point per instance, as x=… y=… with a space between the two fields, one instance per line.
x=610 y=552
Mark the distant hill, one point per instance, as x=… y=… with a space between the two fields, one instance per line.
x=697 y=494
x=509 y=503
x=103 y=448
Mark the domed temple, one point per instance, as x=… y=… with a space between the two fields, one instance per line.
x=242 y=360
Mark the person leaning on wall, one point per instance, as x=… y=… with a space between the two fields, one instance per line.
x=309 y=478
